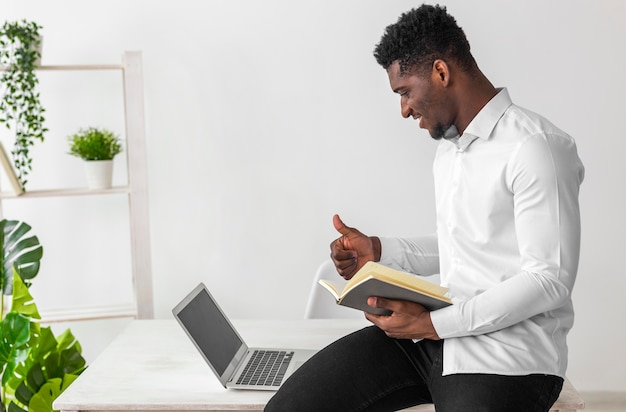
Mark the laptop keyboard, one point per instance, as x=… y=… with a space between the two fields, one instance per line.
x=265 y=368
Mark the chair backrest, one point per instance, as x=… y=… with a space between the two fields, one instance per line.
x=321 y=304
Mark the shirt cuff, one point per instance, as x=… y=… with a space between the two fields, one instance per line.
x=389 y=247
x=447 y=322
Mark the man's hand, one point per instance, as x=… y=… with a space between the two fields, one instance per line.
x=408 y=321
x=352 y=250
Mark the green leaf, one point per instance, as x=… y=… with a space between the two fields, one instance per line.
x=14 y=334
x=67 y=361
x=23 y=394
x=42 y=400
x=17 y=249
x=14 y=408
x=35 y=378
x=23 y=301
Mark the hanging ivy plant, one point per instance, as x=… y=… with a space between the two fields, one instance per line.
x=20 y=108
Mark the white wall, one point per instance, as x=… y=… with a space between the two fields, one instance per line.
x=265 y=118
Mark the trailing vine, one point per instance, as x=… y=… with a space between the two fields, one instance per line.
x=20 y=108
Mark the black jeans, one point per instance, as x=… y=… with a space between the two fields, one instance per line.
x=367 y=371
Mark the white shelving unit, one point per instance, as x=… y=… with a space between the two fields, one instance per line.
x=136 y=190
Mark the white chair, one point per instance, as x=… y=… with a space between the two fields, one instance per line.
x=321 y=304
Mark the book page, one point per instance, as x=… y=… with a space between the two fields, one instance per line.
x=357 y=297
x=402 y=279
x=333 y=286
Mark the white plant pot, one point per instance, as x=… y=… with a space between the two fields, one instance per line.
x=99 y=173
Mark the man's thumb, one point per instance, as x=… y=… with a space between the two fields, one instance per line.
x=340 y=226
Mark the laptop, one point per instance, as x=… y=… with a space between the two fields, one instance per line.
x=234 y=363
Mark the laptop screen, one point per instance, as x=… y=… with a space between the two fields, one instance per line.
x=209 y=328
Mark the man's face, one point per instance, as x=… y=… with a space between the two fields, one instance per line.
x=422 y=98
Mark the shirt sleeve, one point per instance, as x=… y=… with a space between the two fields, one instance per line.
x=418 y=255
x=544 y=176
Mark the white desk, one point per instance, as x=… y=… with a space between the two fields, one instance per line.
x=153 y=366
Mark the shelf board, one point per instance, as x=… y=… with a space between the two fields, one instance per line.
x=65 y=192
x=82 y=67
x=88 y=313
x=76 y=67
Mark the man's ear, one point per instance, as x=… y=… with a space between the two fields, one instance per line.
x=441 y=72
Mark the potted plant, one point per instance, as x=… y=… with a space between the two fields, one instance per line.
x=36 y=366
x=97 y=147
x=20 y=108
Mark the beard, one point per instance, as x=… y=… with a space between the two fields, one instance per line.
x=444 y=132
x=439 y=132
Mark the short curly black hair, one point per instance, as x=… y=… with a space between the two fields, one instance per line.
x=422 y=35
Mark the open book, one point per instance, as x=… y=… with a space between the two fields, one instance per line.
x=374 y=279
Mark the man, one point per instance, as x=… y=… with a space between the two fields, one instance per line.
x=507 y=246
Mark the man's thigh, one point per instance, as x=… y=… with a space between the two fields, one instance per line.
x=495 y=393
x=364 y=371
x=480 y=392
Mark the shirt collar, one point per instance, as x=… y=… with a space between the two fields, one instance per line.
x=483 y=123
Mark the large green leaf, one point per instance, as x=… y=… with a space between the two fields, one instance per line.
x=42 y=400
x=14 y=408
x=20 y=251
x=67 y=361
x=14 y=334
x=22 y=301
x=47 y=344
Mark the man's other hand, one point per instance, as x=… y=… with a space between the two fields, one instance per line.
x=353 y=249
x=408 y=320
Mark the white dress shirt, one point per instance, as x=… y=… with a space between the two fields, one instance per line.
x=507 y=243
